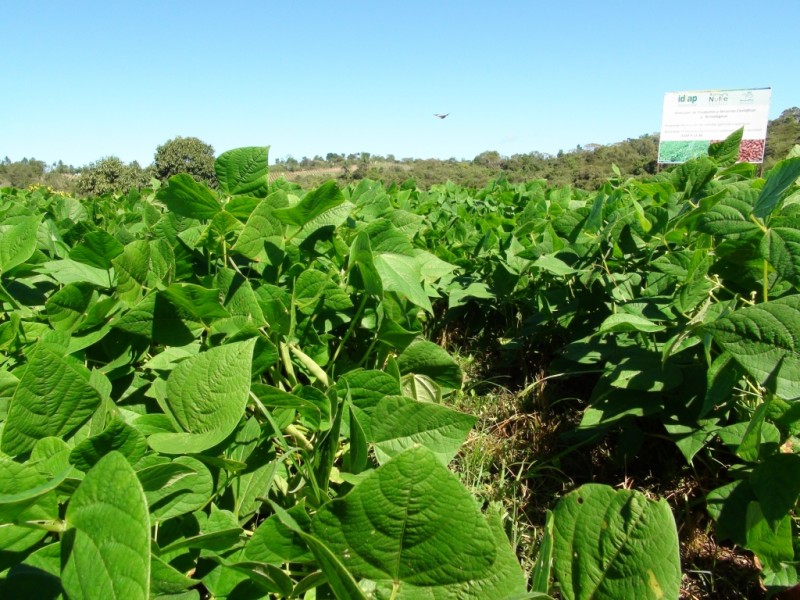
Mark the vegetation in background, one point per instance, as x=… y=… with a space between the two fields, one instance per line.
x=109 y=175
x=29 y=171
x=249 y=375
x=185 y=155
x=583 y=167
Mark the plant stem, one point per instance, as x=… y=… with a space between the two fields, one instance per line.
x=351 y=328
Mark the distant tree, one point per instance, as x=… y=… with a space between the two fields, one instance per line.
x=490 y=158
x=783 y=134
x=109 y=175
x=22 y=173
x=185 y=155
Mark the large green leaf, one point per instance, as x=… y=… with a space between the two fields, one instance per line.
x=612 y=544
x=22 y=486
x=398 y=423
x=17 y=242
x=402 y=274
x=772 y=542
x=781 y=247
x=143 y=264
x=175 y=488
x=189 y=198
x=69 y=306
x=97 y=249
x=726 y=152
x=765 y=340
x=776 y=483
x=504 y=581
x=263 y=235
x=200 y=302
x=780 y=178
x=409 y=521
x=206 y=395
x=313 y=204
x=426 y=358
x=118 y=436
x=243 y=171
x=362 y=258
x=53 y=398
x=106 y=552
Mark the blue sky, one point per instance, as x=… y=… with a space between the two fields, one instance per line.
x=83 y=80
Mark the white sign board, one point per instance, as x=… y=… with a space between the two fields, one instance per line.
x=691 y=121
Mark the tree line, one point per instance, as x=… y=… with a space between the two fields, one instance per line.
x=582 y=167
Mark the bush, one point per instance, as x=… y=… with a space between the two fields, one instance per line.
x=186 y=155
x=109 y=175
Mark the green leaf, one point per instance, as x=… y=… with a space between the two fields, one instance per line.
x=553 y=265
x=542 y=569
x=776 y=483
x=97 y=249
x=726 y=152
x=106 y=552
x=17 y=242
x=189 y=198
x=624 y=322
x=263 y=235
x=313 y=204
x=364 y=390
x=421 y=388
x=361 y=257
x=70 y=271
x=504 y=581
x=206 y=395
x=750 y=446
x=410 y=521
x=772 y=543
x=426 y=358
x=731 y=215
x=69 y=306
x=402 y=274
x=779 y=179
x=781 y=248
x=340 y=580
x=164 y=579
x=765 y=340
x=243 y=171
x=275 y=543
x=53 y=398
x=358 y=456
x=399 y=423
x=180 y=492
x=21 y=487
x=615 y=544
x=141 y=265
x=727 y=505
x=200 y=302
x=118 y=436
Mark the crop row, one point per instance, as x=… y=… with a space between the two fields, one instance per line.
x=233 y=392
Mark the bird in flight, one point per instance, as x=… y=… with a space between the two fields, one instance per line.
x=441 y=116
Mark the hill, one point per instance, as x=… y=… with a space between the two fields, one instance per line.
x=583 y=167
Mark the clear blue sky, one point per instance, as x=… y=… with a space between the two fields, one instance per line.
x=82 y=80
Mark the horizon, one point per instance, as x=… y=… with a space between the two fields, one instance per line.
x=99 y=80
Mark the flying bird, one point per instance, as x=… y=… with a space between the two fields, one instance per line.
x=441 y=116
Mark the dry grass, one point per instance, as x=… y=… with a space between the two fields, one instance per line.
x=517 y=455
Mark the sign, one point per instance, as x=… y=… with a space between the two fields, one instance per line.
x=691 y=121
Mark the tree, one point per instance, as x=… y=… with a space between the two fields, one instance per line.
x=185 y=155
x=22 y=173
x=109 y=175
